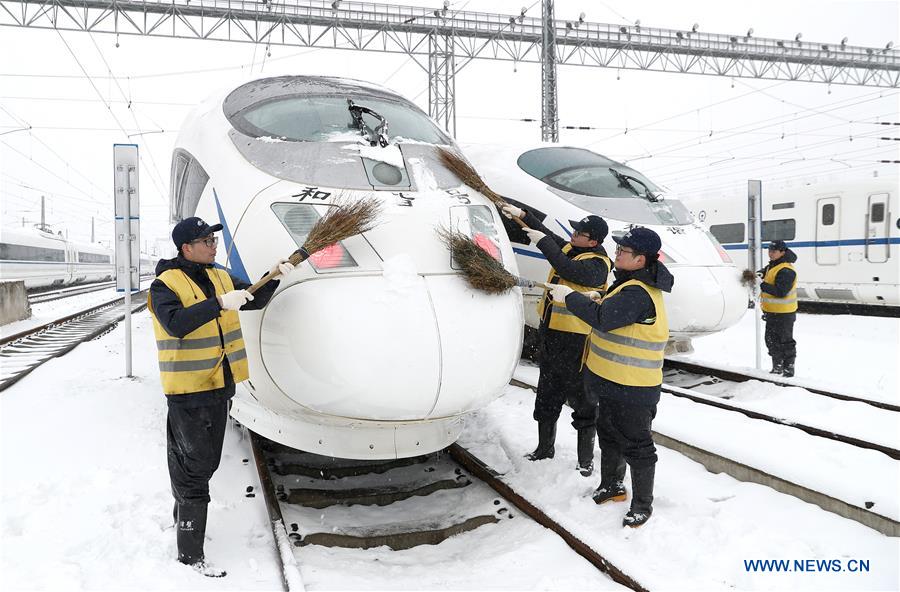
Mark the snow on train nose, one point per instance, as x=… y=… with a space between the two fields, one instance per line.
x=716 y=300
x=390 y=347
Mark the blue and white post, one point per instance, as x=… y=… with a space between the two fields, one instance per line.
x=128 y=228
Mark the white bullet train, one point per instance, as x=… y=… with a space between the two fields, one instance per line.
x=43 y=259
x=566 y=183
x=846 y=236
x=376 y=348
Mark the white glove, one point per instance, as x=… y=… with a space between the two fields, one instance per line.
x=594 y=295
x=283 y=267
x=534 y=235
x=511 y=211
x=235 y=299
x=560 y=292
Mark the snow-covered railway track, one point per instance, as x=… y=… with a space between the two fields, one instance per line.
x=853 y=505
x=50 y=295
x=23 y=352
x=705 y=373
x=315 y=500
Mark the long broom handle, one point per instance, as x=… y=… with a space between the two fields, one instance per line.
x=300 y=255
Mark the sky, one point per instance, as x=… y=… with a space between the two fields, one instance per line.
x=65 y=97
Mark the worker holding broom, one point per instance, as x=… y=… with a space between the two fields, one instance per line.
x=582 y=264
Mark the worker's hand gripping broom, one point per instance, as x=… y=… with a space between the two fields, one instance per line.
x=343 y=220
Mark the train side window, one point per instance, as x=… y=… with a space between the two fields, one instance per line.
x=11 y=252
x=188 y=182
x=877 y=213
x=827 y=214
x=787 y=205
x=728 y=233
x=779 y=229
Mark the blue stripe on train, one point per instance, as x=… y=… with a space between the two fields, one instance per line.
x=850 y=242
x=234 y=257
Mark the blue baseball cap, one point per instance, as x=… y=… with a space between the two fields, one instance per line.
x=190 y=229
x=641 y=240
x=594 y=226
x=778 y=245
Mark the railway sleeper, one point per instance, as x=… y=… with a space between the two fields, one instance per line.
x=396 y=541
x=368 y=496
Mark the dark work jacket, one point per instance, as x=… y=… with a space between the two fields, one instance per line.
x=178 y=321
x=588 y=272
x=631 y=305
x=784 y=280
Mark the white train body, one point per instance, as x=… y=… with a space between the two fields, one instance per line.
x=43 y=259
x=846 y=236
x=373 y=349
x=568 y=183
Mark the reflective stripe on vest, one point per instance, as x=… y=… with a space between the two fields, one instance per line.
x=194 y=363
x=771 y=303
x=631 y=355
x=561 y=319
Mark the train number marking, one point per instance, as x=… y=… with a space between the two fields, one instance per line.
x=460 y=196
x=404 y=200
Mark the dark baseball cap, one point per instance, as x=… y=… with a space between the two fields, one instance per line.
x=641 y=240
x=778 y=245
x=594 y=226
x=190 y=229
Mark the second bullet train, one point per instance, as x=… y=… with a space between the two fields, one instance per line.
x=562 y=183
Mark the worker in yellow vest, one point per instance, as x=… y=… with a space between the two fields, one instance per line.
x=201 y=356
x=778 y=300
x=581 y=263
x=623 y=362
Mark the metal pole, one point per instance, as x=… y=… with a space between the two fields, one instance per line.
x=754 y=256
x=130 y=237
x=43 y=226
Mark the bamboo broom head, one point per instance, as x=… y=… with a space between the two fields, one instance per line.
x=466 y=173
x=747 y=277
x=345 y=219
x=480 y=270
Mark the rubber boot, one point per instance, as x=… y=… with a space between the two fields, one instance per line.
x=586 y=451
x=788 y=368
x=612 y=475
x=191 y=534
x=777 y=366
x=641 y=496
x=546 y=441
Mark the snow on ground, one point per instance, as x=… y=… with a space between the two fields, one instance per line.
x=86 y=505
x=704 y=526
x=85 y=489
x=855 y=355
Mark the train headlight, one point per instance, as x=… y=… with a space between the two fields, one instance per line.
x=299 y=219
x=477 y=222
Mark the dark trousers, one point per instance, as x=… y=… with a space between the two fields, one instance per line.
x=780 y=336
x=623 y=431
x=194 y=438
x=561 y=380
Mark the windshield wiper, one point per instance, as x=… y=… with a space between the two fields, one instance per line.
x=378 y=136
x=625 y=181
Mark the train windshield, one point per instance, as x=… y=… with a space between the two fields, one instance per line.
x=592 y=182
x=326 y=118
x=582 y=171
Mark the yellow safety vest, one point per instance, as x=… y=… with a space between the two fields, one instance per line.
x=194 y=363
x=561 y=319
x=772 y=303
x=631 y=355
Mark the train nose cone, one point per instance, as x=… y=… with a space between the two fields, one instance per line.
x=714 y=301
x=376 y=348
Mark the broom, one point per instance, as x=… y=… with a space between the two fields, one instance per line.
x=341 y=222
x=480 y=270
x=748 y=278
x=468 y=175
